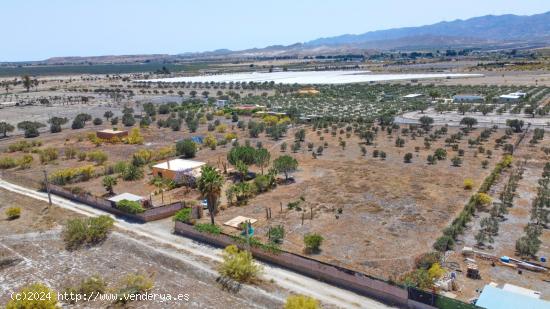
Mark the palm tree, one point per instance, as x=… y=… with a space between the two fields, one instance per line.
x=109 y=182
x=210 y=185
x=160 y=183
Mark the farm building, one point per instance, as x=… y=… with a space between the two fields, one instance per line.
x=467 y=98
x=512 y=97
x=222 y=103
x=178 y=170
x=509 y=98
x=510 y=297
x=108 y=134
x=413 y=96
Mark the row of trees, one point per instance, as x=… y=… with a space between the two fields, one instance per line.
x=529 y=244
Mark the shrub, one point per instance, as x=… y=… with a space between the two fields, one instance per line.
x=97 y=121
x=468 y=184
x=264 y=182
x=239 y=265
x=142 y=157
x=135 y=138
x=444 y=243
x=25 y=161
x=89 y=231
x=70 y=153
x=71 y=175
x=312 y=242
x=435 y=271
x=418 y=278
x=119 y=167
x=186 y=148
x=13 y=213
x=81 y=156
x=7 y=162
x=184 y=215
x=23 y=146
x=276 y=234
x=133 y=284
x=482 y=199
x=48 y=155
x=210 y=141
x=48 y=299
x=131 y=207
x=208 y=228
x=301 y=302
x=428 y=259
x=89 y=286
x=132 y=172
x=97 y=156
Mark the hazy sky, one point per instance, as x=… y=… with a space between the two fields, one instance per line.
x=38 y=29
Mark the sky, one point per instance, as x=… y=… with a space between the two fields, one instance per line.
x=39 y=29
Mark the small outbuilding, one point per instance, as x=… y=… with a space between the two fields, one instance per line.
x=509 y=98
x=111 y=133
x=126 y=196
x=178 y=170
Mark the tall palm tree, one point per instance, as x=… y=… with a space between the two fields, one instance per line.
x=210 y=185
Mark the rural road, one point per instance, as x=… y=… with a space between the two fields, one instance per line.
x=161 y=233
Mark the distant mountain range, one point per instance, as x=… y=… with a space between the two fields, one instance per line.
x=504 y=31
x=491 y=28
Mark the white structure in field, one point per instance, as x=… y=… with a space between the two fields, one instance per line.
x=512 y=97
x=413 y=96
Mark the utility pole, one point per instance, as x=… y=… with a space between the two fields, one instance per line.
x=47 y=187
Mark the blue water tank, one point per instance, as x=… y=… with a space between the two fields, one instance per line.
x=543 y=259
x=505 y=259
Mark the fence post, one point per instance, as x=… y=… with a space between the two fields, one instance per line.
x=47 y=188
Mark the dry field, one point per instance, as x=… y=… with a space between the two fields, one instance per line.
x=391 y=211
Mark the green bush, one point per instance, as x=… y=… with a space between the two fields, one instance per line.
x=184 y=215
x=186 y=148
x=312 y=242
x=71 y=175
x=120 y=167
x=208 y=228
x=25 y=161
x=7 y=162
x=97 y=156
x=132 y=172
x=13 y=213
x=48 y=155
x=276 y=234
x=86 y=232
x=239 y=265
x=89 y=286
x=23 y=146
x=131 y=207
x=301 y=302
x=444 y=243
